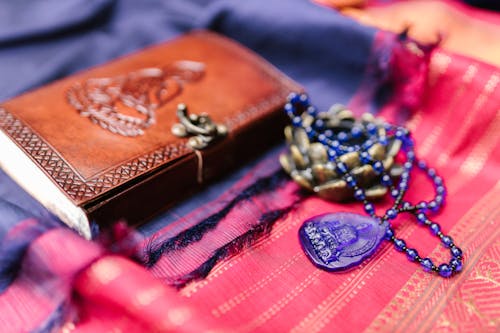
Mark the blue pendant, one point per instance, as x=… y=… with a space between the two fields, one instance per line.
x=338 y=241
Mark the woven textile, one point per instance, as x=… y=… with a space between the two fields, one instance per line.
x=273 y=286
x=52 y=280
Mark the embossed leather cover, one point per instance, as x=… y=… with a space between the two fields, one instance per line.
x=103 y=136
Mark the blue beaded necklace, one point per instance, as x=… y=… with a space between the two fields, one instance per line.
x=338 y=241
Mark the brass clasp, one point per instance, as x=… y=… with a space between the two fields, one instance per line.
x=202 y=129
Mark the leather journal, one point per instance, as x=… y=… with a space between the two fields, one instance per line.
x=130 y=137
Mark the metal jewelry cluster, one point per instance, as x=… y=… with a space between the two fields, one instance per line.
x=309 y=164
x=340 y=157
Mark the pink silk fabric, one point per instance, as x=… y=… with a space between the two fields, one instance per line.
x=271 y=286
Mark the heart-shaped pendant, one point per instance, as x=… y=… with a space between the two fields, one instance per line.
x=338 y=241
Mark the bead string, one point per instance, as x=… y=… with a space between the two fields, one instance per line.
x=335 y=148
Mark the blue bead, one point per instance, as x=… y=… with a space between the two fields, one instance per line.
x=389 y=233
x=365 y=157
x=411 y=254
x=431 y=172
x=421 y=217
x=433 y=206
x=295 y=100
x=328 y=133
x=403 y=185
x=447 y=241
x=359 y=194
x=408 y=165
x=289 y=108
x=319 y=123
x=409 y=143
x=304 y=99
x=445 y=270
x=378 y=167
x=434 y=228
x=293 y=97
x=410 y=155
x=406 y=204
x=394 y=193
x=422 y=165
x=391 y=213
x=297 y=121
x=356 y=131
x=342 y=167
x=383 y=141
x=422 y=205
x=342 y=136
x=456 y=264
x=312 y=111
x=368 y=144
x=371 y=128
x=399 y=244
x=438 y=180
x=455 y=251
x=440 y=190
x=335 y=144
x=400 y=134
x=427 y=264
x=369 y=208
x=332 y=154
x=386 y=180
x=350 y=181
x=439 y=199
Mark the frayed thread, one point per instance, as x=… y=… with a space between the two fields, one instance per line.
x=194 y=234
x=409 y=68
x=396 y=74
x=261 y=229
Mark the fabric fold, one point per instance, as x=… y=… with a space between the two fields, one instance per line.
x=31 y=20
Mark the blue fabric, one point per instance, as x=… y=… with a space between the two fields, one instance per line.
x=41 y=41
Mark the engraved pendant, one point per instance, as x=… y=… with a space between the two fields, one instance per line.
x=338 y=241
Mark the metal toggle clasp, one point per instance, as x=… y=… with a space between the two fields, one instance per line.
x=205 y=131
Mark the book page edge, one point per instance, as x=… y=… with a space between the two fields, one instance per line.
x=33 y=180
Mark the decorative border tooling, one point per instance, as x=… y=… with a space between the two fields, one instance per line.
x=77 y=188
